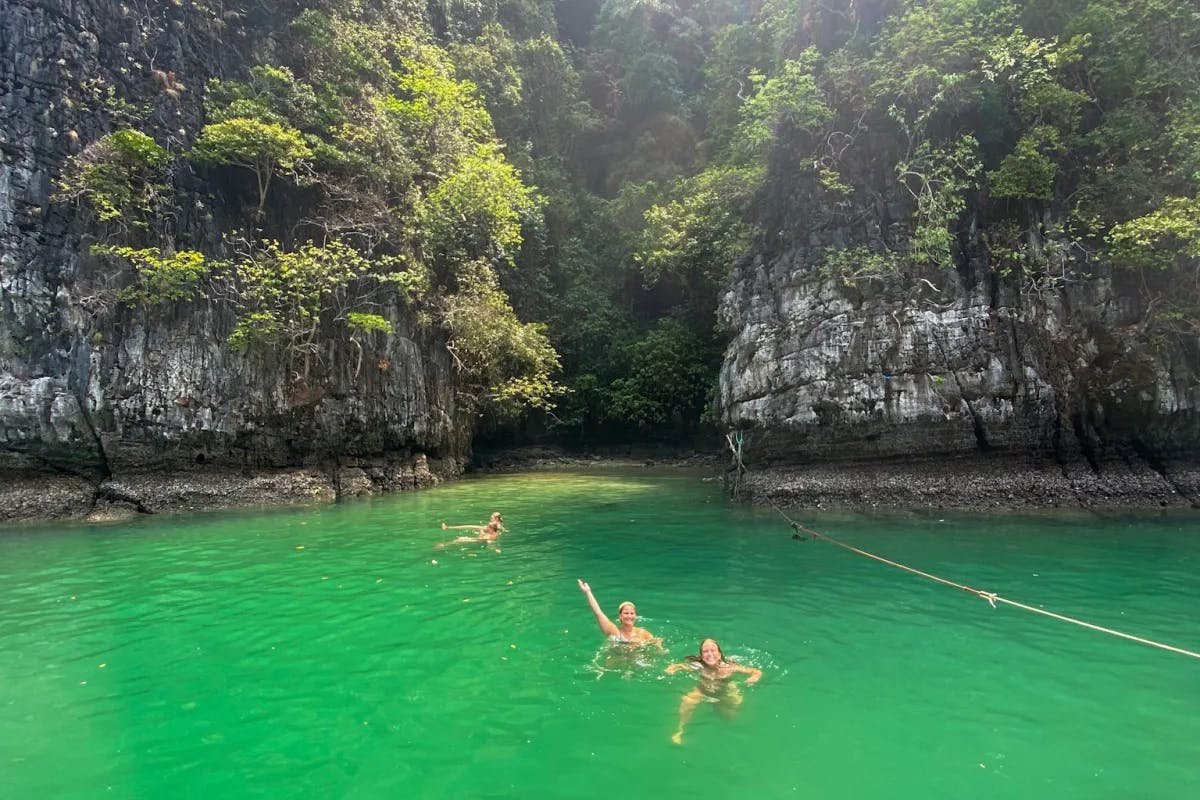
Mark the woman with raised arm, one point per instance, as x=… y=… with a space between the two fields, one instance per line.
x=716 y=683
x=626 y=632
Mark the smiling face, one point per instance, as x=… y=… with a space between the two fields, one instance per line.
x=627 y=613
x=710 y=653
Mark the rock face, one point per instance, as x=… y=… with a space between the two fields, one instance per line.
x=946 y=363
x=153 y=411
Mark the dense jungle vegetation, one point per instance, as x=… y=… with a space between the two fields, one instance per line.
x=564 y=186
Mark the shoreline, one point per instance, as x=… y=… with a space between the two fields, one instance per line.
x=975 y=483
x=63 y=497
x=966 y=483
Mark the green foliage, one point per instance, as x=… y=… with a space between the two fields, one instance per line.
x=171 y=278
x=671 y=376
x=272 y=94
x=697 y=234
x=1025 y=174
x=283 y=297
x=938 y=177
x=399 y=155
x=440 y=116
x=1164 y=247
x=263 y=147
x=503 y=363
x=490 y=63
x=735 y=55
x=632 y=47
x=789 y=100
x=96 y=94
x=1030 y=71
x=1160 y=240
x=858 y=264
x=1008 y=249
x=531 y=90
x=832 y=180
x=121 y=176
x=477 y=209
x=136 y=150
x=360 y=322
x=1183 y=136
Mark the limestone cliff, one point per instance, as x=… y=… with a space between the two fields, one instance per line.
x=152 y=410
x=953 y=360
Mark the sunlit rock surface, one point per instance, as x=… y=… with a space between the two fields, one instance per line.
x=945 y=365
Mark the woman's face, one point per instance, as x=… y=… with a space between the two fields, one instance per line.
x=710 y=653
x=627 y=614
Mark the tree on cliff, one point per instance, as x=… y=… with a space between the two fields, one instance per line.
x=263 y=147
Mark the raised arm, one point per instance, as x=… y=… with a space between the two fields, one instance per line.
x=605 y=623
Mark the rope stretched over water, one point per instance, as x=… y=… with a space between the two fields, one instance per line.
x=991 y=597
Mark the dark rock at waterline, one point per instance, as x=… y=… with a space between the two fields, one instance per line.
x=969 y=483
x=973 y=483
x=31 y=496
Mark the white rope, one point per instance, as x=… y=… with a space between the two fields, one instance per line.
x=991 y=597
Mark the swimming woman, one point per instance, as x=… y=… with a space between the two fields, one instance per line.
x=484 y=533
x=716 y=683
x=626 y=632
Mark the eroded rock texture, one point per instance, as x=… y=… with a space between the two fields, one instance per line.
x=948 y=362
x=152 y=410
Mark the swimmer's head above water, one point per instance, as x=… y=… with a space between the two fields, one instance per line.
x=710 y=653
x=627 y=613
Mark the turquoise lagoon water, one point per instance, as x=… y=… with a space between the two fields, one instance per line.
x=334 y=652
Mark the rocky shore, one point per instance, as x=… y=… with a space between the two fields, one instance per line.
x=29 y=497
x=975 y=483
x=967 y=483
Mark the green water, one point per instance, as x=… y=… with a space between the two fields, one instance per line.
x=209 y=656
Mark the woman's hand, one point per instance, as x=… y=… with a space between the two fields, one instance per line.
x=673 y=668
x=583 y=587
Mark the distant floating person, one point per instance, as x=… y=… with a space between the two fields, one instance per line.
x=483 y=533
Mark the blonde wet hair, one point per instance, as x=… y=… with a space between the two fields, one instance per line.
x=625 y=603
